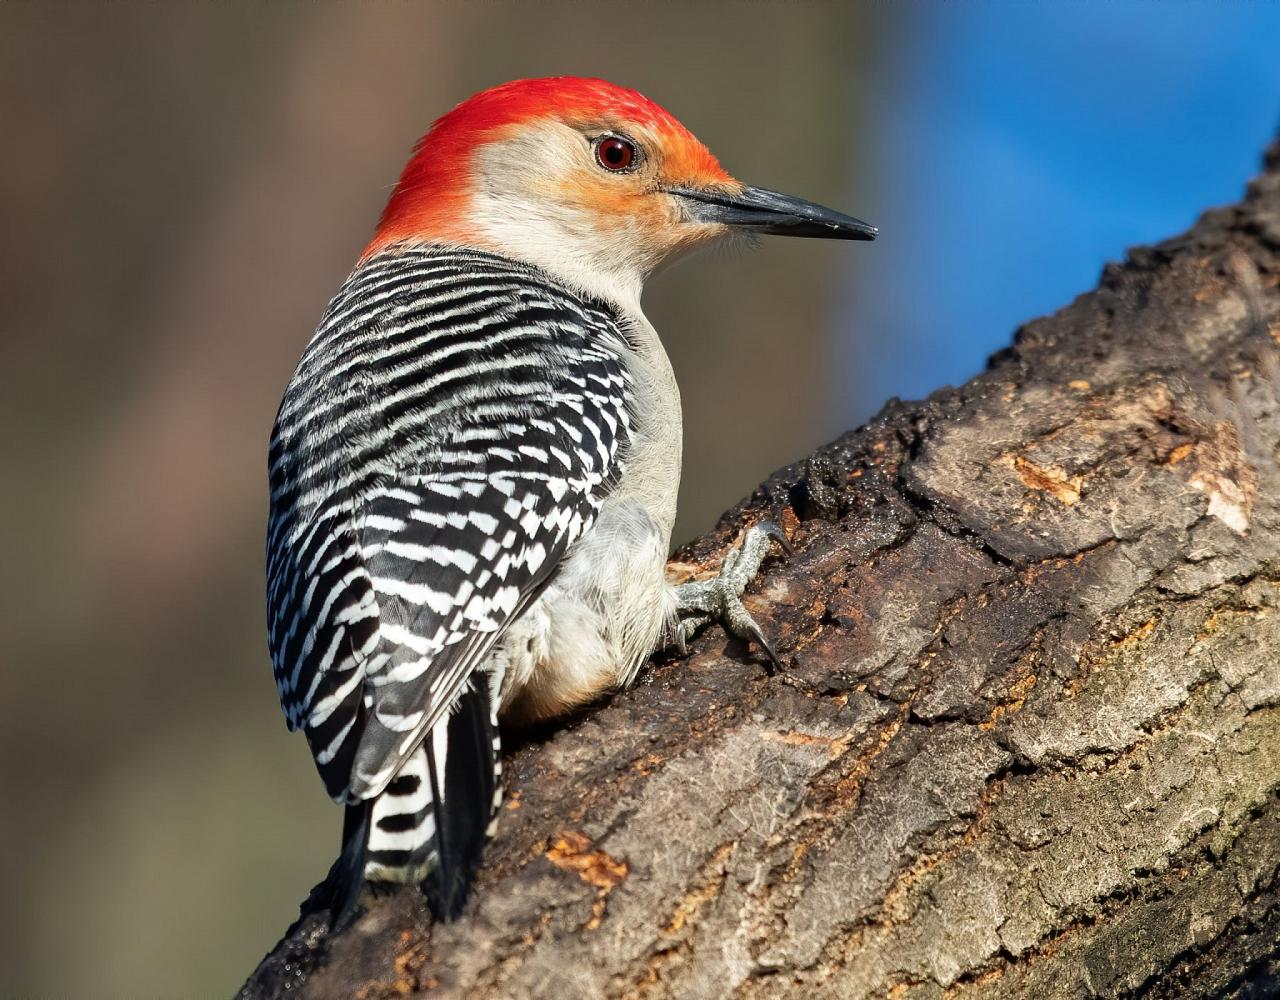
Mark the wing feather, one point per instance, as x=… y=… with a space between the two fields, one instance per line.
x=450 y=432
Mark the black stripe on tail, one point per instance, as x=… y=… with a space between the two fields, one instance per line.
x=430 y=824
x=466 y=771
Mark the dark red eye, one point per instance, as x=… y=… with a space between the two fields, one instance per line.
x=614 y=153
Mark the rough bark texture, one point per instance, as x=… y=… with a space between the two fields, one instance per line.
x=1027 y=743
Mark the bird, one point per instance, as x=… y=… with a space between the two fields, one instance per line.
x=474 y=466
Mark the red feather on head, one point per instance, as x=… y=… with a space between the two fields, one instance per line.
x=433 y=189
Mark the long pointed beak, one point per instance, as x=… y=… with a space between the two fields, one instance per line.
x=762 y=211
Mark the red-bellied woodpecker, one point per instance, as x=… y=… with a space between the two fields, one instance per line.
x=474 y=468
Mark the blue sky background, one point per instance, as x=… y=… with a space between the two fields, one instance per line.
x=1017 y=148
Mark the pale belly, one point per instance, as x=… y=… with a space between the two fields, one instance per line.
x=590 y=630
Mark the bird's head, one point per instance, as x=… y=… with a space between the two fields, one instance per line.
x=592 y=182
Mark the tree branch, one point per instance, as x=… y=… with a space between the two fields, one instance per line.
x=1028 y=739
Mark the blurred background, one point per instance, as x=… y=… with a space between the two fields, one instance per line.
x=187 y=185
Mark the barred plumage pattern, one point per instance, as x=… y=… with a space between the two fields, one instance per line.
x=452 y=428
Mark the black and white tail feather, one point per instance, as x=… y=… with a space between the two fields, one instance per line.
x=451 y=430
x=429 y=825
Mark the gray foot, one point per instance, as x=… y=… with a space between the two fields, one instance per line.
x=720 y=598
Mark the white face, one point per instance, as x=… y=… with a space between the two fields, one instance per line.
x=542 y=193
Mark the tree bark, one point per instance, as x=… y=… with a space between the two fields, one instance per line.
x=1027 y=739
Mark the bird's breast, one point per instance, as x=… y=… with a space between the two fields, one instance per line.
x=651 y=476
x=590 y=630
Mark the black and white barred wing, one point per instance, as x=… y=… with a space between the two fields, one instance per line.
x=470 y=425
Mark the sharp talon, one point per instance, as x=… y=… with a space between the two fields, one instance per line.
x=778 y=535
x=758 y=636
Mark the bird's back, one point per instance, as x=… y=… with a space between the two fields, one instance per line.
x=453 y=427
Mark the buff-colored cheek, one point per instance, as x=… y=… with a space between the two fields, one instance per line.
x=654 y=220
x=606 y=199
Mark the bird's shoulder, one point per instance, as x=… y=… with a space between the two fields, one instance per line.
x=433 y=356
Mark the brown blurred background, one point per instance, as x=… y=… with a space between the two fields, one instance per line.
x=183 y=188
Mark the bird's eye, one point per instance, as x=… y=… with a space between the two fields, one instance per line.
x=616 y=154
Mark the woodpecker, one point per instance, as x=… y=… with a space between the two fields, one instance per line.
x=473 y=471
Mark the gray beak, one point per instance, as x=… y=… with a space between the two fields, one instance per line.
x=759 y=210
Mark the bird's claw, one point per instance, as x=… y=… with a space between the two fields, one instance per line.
x=680 y=638
x=777 y=534
x=701 y=601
